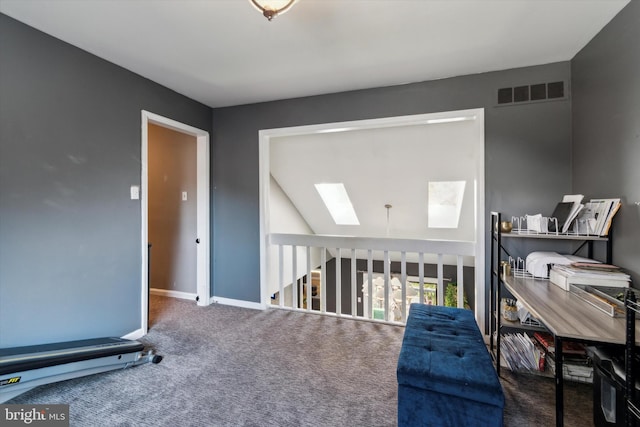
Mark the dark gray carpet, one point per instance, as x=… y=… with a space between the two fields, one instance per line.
x=227 y=366
x=530 y=401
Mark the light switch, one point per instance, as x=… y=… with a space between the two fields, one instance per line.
x=184 y=196
x=135 y=192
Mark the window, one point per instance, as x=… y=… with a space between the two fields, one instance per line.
x=337 y=201
x=445 y=203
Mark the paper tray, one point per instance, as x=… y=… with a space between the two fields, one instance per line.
x=599 y=299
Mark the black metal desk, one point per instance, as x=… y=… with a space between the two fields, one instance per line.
x=567 y=317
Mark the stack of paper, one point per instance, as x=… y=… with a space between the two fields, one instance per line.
x=520 y=353
x=575 y=203
x=588 y=274
x=596 y=217
x=539 y=263
x=537 y=223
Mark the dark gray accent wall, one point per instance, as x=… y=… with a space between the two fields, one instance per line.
x=606 y=127
x=70 y=138
x=527 y=166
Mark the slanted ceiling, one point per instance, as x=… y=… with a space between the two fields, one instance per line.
x=379 y=166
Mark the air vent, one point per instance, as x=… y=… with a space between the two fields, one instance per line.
x=531 y=93
x=521 y=94
x=538 y=92
x=555 y=90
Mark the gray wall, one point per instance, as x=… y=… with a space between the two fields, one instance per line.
x=606 y=127
x=70 y=251
x=528 y=150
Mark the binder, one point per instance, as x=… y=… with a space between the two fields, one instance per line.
x=562 y=213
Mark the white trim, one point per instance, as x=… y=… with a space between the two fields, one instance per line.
x=173 y=294
x=264 y=173
x=476 y=114
x=480 y=226
x=386 y=122
x=239 y=303
x=375 y=243
x=144 y=225
x=203 y=286
x=203 y=220
x=138 y=333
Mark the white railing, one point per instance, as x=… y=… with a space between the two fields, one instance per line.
x=384 y=299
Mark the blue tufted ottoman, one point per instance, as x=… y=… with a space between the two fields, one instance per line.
x=445 y=373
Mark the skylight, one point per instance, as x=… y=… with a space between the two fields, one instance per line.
x=445 y=203
x=337 y=201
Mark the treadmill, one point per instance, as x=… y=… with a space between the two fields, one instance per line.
x=23 y=368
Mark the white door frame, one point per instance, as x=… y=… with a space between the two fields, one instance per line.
x=203 y=220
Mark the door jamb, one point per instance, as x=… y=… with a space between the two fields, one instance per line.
x=203 y=221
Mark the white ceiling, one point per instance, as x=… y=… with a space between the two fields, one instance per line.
x=223 y=52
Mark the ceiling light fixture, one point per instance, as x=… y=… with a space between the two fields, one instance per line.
x=272 y=8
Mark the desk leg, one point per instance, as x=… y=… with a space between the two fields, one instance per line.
x=559 y=383
x=496 y=308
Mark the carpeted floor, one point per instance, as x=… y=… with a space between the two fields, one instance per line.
x=530 y=401
x=228 y=366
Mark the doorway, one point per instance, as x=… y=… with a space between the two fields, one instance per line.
x=408 y=160
x=188 y=261
x=172 y=213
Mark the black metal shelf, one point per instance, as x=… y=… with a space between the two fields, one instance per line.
x=551 y=236
x=497 y=250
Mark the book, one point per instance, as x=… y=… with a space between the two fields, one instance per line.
x=564 y=276
x=568 y=347
x=601 y=211
x=594 y=270
x=561 y=213
x=576 y=199
x=595 y=266
x=605 y=209
x=612 y=212
x=546 y=340
x=586 y=221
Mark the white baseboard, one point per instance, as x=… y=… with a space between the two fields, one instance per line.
x=238 y=303
x=133 y=335
x=172 y=294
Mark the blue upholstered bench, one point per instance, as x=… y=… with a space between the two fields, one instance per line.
x=445 y=373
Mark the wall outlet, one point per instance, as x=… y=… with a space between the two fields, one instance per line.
x=135 y=192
